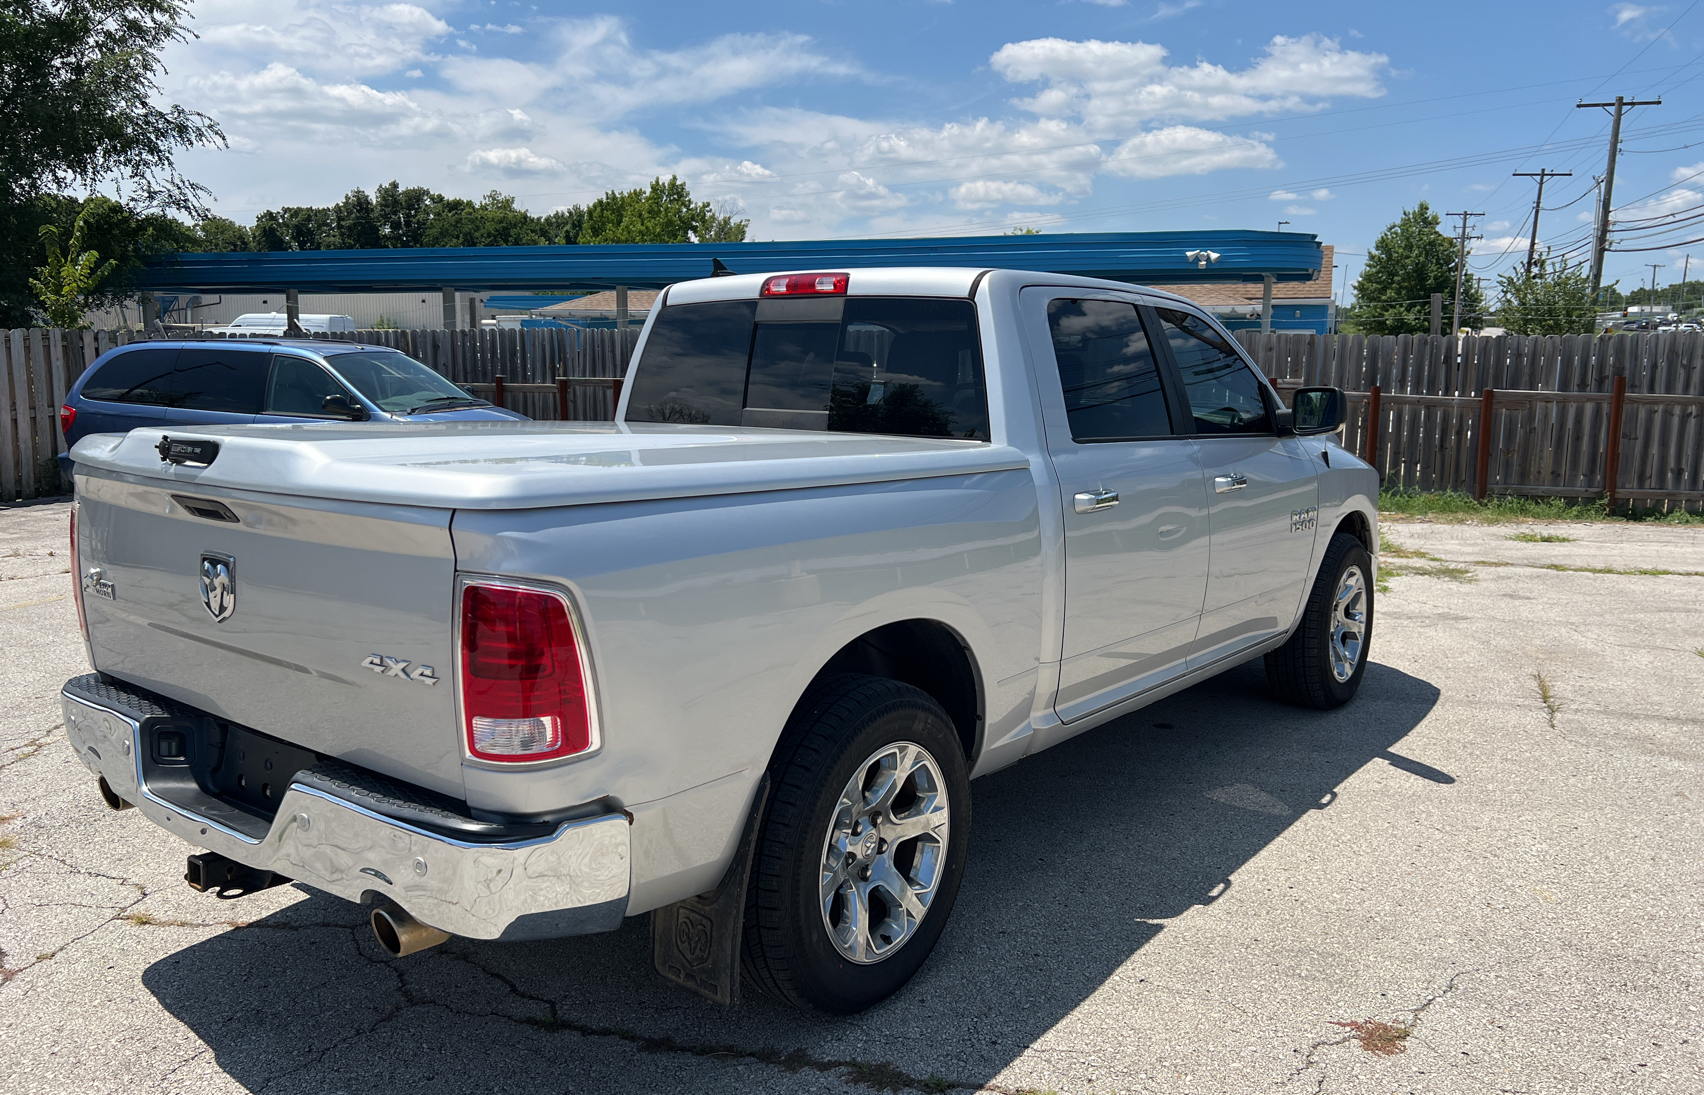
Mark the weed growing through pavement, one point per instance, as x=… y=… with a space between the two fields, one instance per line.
x=1452 y=507
x=1542 y=538
x=1378 y=1038
x=1547 y=695
x=1450 y=572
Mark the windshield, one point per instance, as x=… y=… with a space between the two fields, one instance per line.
x=398 y=384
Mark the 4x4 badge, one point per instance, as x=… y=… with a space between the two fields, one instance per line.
x=218 y=585
x=397 y=667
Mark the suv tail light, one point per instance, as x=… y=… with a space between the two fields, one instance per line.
x=799 y=285
x=525 y=692
x=77 y=577
x=67 y=415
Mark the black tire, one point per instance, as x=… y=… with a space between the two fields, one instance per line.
x=1301 y=671
x=840 y=722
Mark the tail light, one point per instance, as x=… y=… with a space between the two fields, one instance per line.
x=800 y=285
x=77 y=578
x=524 y=685
x=67 y=415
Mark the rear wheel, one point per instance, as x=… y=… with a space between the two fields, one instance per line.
x=863 y=846
x=1323 y=662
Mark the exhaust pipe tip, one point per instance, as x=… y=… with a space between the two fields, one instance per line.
x=400 y=934
x=110 y=797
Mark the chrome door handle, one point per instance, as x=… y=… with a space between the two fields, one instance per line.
x=1091 y=500
x=1225 y=484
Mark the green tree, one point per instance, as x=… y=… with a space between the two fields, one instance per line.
x=494 y=221
x=403 y=215
x=664 y=212
x=69 y=281
x=1410 y=261
x=79 y=80
x=221 y=234
x=1546 y=301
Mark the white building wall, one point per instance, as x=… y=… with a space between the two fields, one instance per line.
x=410 y=311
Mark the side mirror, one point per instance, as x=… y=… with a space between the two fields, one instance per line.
x=339 y=405
x=1318 y=410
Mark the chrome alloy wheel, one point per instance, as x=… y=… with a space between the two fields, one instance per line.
x=885 y=852
x=1348 y=623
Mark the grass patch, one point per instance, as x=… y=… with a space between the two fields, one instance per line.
x=7 y=844
x=1541 y=538
x=1453 y=507
x=1449 y=572
x=143 y=919
x=1390 y=549
x=1547 y=695
x=1379 y=1038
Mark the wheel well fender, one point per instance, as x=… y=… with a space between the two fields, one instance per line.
x=928 y=655
x=1356 y=524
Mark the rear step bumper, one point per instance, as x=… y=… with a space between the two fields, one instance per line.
x=570 y=881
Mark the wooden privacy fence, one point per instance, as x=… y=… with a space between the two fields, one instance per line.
x=546 y=373
x=1553 y=424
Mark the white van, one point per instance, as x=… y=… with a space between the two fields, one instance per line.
x=275 y=323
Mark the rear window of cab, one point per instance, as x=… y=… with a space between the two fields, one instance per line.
x=889 y=365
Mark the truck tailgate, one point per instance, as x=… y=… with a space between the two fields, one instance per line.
x=337 y=633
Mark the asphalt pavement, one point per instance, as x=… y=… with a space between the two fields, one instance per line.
x=1483 y=875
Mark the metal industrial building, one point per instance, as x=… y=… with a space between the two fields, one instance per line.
x=1236 y=273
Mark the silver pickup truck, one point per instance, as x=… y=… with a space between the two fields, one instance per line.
x=732 y=659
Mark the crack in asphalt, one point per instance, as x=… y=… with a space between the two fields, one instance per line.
x=1413 y=1021
x=34 y=745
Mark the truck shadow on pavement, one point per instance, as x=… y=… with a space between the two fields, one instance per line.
x=1078 y=856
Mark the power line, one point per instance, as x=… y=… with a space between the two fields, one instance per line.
x=1461 y=264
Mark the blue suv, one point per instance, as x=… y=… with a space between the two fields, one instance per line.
x=176 y=384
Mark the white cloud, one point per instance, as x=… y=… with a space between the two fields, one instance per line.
x=1184 y=150
x=507 y=28
x=280 y=100
x=987 y=193
x=1635 y=20
x=1321 y=195
x=1117 y=86
x=1678 y=200
x=349 y=40
x=1282 y=196
x=1690 y=171
x=514 y=162
x=1299 y=211
x=1167 y=11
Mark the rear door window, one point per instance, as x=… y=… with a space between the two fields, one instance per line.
x=1223 y=393
x=1107 y=371
x=221 y=379
x=895 y=365
x=137 y=376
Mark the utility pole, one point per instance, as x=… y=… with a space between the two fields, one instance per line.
x=1541 y=174
x=1461 y=264
x=1655 y=266
x=1601 y=242
x=1685 y=268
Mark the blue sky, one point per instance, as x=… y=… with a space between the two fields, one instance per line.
x=916 y=118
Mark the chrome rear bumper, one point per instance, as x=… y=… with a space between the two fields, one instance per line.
x=570 y=882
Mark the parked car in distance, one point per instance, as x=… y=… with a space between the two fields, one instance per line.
x=277 y=323
x=239 y=382
x=730 y=660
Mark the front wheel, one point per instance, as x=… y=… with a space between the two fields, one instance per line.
x=863 y=846
x=1323 y=662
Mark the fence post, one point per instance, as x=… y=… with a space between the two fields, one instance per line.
x=1612 y=459
x=562 y=398
x=1373 y=427
x=614 y=397
x=497 y=396
x=1482 y=473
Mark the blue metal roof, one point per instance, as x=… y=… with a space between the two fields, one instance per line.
x=1144 y=257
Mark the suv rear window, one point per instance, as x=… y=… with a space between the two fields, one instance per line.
x=223 y=379
x=894 y=365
